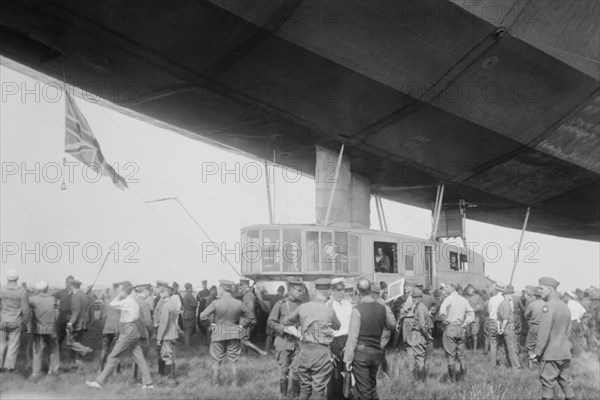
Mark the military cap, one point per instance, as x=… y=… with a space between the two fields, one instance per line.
x=226 y=283
x=143 y=286
x=162 y=283
x=245 y=281
x=548 y=281
x=375 y=287
x=338 y=283
x=322 y=284
x=41 y=285
x=417 y=292
x=530 y=290
x=508 y=290
x=12 y=275
x=294 y=281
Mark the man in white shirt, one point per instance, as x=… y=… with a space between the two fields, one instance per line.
x=343 y=310
x=576 y=332
x=495 y=338
x=128 y=341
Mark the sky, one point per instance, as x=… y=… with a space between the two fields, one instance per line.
x=48 y=233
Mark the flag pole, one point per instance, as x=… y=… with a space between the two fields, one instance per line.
x=101 y=268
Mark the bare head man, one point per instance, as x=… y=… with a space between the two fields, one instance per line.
x=364 y=287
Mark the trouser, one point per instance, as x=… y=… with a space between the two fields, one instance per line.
x=496 y=341
x=123 y=347
x=454 y=343
x=511 y=345
x=167 y=352
x=108 y=341
x=577 y=338
x=335 y=385
x=365 y=364
x=145 y=346
x=40 y=343
x=438 y=333
x=553 y=371
x=532 y=335
x=418 y=353
x=188 y=331
x=287 y=360
x=314 y=370
x=10 y=339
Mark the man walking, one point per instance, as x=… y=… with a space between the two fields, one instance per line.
x=318 y=323
x=15 y=310
x=286 y=344
x=43 y=328
x=457 y=315
x=363 y=353
x=553 y=346
x=128 y=341
x=226 y=333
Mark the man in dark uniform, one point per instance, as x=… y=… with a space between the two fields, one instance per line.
x=363 y=353
x=201 y=299
x=189 y=314
x=111 y=327
x=553 y=346
x=419 y=336
x=226 y=335
x=476 y=302
x=533 y=313
x=77 y=325
x=43 y=328
x=247 y=298
x=266 y=303
x=506 y=319
x=318 y=323
x=286 y=344
x=159 y=301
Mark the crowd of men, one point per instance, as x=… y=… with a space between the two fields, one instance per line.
x=321 y=345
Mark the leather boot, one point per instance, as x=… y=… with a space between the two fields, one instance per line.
x=423 y=374
x=173 y=374
x=463 y=371
x=452 y=373
x=216 y=371
x=295 y=389
x=283 y=389
x=234 y=376
x=475 y=342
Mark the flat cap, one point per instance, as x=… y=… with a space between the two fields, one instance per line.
x=417 y=292
x=143 y=286
x=548 y=281
x=508 y=290
x=41 y=285
x=323 y=284
x=162 y=283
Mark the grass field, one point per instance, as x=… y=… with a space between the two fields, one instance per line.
x=258 y=379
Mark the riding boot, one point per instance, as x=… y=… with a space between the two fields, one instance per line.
x=234 y=375
x=463 y=370
x=161 y=362
x=216 y=371
x=475 y=338
x=173 y=374
x=295 y=389
x=283 y=388
x=452 y=373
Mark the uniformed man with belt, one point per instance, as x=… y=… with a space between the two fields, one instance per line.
x=533 y=313
x=506 y=319
x=553 y=346
x=318 y=324
x=457 y=314
x=286 y=344
x=226 y=330
x=419 y=336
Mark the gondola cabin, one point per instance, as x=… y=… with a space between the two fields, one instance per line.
x=274 y=252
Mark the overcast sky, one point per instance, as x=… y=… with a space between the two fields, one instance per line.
x=48 y=233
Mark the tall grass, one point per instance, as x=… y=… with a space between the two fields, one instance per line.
x=259 y=379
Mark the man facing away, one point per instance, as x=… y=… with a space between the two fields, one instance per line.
x=363 y=353
x=189 y=314
x=457 y=314
x=533 y=313
x=15 y=310
x=226 y=333
x=318 y=323
x=43 y=328
x=286 y=343
x=128 y=341
x=553 y=346
x=507 y=326
x=419 y=336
